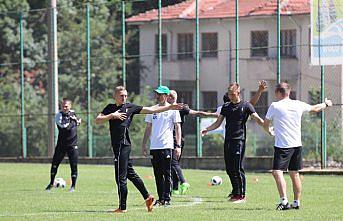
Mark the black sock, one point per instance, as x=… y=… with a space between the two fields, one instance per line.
x=53 y=172
x=73 y=180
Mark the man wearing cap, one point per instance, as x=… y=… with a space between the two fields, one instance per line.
x=119 y=116
x=160 y=129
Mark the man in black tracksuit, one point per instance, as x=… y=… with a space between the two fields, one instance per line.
x=67 y=123
x=119 y=116
x=236 y=114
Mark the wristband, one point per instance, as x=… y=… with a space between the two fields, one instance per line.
x=177 y=146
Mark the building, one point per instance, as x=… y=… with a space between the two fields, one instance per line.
x=257 y=54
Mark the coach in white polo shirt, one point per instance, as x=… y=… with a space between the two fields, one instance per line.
x=286 y=117
x=160 y=130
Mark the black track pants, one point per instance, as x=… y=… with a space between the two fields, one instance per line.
x=233 y=155
x=124 y=170
x=161 y=162
x=60 y=152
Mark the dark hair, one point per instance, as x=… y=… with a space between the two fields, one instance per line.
x=226 y=97
x=283 y=88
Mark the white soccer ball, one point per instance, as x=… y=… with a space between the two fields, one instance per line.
x=216 y=181
x=59 y=183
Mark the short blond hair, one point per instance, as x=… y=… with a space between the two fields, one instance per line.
x=118 y=89
x=234 y=87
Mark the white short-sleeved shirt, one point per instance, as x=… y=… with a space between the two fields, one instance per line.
x=286 y=116
x=162 y=129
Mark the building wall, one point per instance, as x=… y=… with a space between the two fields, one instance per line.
x=216 y=73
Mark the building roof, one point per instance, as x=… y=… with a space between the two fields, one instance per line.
x=209 y=9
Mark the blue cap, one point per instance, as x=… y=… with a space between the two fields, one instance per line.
x=162 y=90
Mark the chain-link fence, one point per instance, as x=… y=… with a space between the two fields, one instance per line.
x=194 y=47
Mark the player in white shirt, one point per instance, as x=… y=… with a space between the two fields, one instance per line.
x=286 y=117
x=160 y=130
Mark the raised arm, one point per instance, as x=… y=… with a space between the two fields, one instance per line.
x=262 y=85
x=319 y=107
x=159 y=109
x=213 y=126
x=147 y=134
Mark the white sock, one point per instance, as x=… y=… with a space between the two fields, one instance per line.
x=296 y=203
x=284 y=200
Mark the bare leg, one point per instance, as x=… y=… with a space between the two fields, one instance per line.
x=296 y=184
x=280 y=182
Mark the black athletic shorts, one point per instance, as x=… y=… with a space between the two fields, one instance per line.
x=287 y=158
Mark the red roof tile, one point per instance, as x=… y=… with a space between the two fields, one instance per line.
x=224 y=9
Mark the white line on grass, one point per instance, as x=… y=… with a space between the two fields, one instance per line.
x=194 y=201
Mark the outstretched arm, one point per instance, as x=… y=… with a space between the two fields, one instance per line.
x=202 y=113
x=262 y=85
x=214 y=126
x=147 y=134
x=159 y=109
x=319 y=107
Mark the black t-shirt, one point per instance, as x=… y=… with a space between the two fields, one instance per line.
x=236 y=116
x=183 y=113
x=67 y=129
x=120 y=129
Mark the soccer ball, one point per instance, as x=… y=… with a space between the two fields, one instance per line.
x=59 y=183
x=216 y=181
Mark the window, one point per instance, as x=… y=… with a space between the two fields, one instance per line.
x=209 y=99
x=184 y=46
x=209 y=44
x=259 y=44
x=164 y=46
x=185 y=97
x=262 y=105
x=288 y=43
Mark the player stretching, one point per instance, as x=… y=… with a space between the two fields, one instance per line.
x=236 y=113
x=119 y=116
x=67 y=123
x=286 y=116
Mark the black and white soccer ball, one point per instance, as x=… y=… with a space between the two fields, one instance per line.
x=59 y=183
x=216 y=181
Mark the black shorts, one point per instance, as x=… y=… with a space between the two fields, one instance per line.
x=287 y=158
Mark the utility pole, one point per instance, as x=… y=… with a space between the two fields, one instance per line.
x=53 y=75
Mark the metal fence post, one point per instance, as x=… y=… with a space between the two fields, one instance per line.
x=123 y=42
x=278 y=34
x=22 y=89
x=197 y=77
x=237 y=40
x=159 y=42
x=89 y=125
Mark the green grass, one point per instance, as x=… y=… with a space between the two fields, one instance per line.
x=22 y=197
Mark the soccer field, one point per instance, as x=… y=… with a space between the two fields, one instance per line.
x=23 y=197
